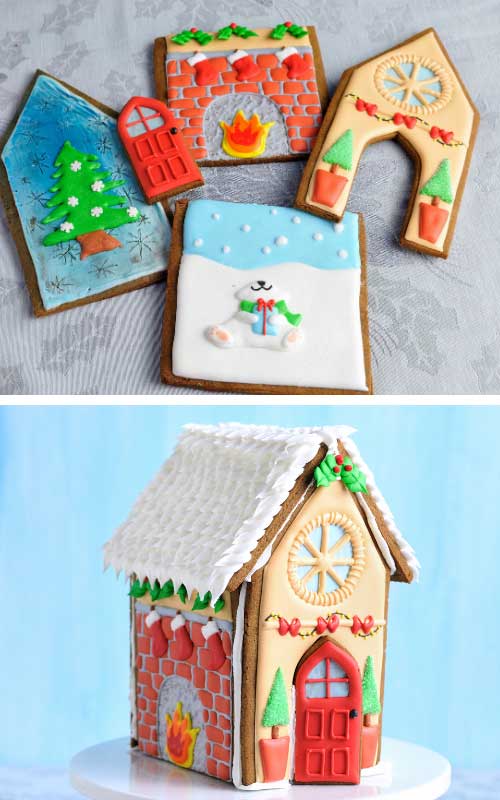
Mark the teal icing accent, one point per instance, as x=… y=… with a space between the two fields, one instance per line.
x=239 y=232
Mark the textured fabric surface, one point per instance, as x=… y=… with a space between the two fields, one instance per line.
x=435 y=326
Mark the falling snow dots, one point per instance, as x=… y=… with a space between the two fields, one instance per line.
x=273 y=211
x=343 y=254
x=216 y=216
x=198 y=242
x=281 y=241
x=338 y=227
x=246 y=228
x=226 y=249
x=266 y=249
x=296 y=220
x=317 y=236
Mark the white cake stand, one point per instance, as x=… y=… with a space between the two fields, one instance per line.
x=111 y=771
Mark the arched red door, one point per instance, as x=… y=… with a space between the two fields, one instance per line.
x=328 y=717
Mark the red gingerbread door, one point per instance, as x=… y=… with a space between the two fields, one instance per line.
x=328 y=717
x=156 y=148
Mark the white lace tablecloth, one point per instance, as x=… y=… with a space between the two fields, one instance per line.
x=435 y=325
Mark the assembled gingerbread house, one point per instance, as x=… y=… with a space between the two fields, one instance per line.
x=260 y=560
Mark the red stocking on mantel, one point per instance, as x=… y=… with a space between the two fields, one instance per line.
x=295 y=64
x=245 y=65
x=182 y=646
x=207 y=73
x=213 y=655
x=160 y=641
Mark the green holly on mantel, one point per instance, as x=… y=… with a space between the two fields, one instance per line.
x=340 y=468
x=161 y=592
x=235 y=30
x=199 y=36
x=297 y=31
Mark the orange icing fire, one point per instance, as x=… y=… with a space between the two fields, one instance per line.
x=181 y=737
x=245 y=138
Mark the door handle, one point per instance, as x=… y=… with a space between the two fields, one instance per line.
x=353 y=713
x=173 y=131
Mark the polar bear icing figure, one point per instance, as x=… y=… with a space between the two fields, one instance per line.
x=261 y=319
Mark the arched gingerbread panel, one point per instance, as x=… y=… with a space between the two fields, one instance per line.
x=414 y=94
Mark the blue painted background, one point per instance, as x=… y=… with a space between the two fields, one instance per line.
x=68 y=477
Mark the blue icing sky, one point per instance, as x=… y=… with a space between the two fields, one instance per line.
x=51 y=115
x=251 y=236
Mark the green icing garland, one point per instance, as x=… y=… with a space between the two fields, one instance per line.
x=84 y=209
x=276 y=710
x=340 y=152
x=439 y=184
x=334 y=468
x=286 y=27
x=234 y=30
x=159 y=592
x=188 y=35
x=371 y=701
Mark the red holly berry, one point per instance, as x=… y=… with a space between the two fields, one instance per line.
x=287 y=24
x=194 y=30
x=348 y=467
x=233 y=25
x=336 y=470
x=339 y=459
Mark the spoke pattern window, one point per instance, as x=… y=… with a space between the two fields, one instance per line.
x=326 y=559
x=327 y=679
x=142 y=120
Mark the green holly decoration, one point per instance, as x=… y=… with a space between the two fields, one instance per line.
x=235 y=30
x=371 y=701
x=334 y=468
x=200 y=603
x=287 y=27
x=81 y=197
x=155 y=591
x=439 y=184
x=139 y=589
x=340 y=153
x=166 y=590
x=182 y=593
x=276 y=710
x=219 y=605
x=186 y=36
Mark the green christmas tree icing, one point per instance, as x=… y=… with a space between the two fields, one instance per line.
x=276 y=710
x=439 y=184
x=371 y=702
x=81 y=197
x=340 y=152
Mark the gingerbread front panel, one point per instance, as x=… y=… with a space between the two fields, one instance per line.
x=325 y=583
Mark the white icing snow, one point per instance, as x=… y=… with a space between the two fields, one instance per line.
x=338 y=227
x=281 y=241
x=342 y=253
x=226 y=249
x=246 y=228
x=198 y=242
x=201 y=517
x=318 y=237
x=96 y=211
x=296 y=220
x=266 y=249
x=73 y=201
x=273 y=211
x=216 y=215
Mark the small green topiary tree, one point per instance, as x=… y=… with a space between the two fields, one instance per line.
x=439 y=184
x=340 y=153
x=371 y=701
x=276 y=711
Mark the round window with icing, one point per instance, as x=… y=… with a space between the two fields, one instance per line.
x=414 y=84
x=326 y=559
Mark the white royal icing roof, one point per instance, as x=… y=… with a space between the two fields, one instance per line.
x=201 y=517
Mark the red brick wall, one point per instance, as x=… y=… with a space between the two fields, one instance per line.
x=298 y=100
x=214 y=691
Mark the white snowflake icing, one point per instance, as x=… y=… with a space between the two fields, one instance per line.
x=75 y=166
x=216 y=215
x=296 y=220
x=66 y=227
x=245 y=228
x=338 y=227
x=97 y=186
x=273 y=211
x=73 y=201
x=226 y=249
x=132 y=211
x=198 y=242
x=281 y=241
x=96 y=211
x=266 y=249
x=342 y=253
x=318 y=237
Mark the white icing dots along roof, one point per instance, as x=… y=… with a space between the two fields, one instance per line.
x=201 y=517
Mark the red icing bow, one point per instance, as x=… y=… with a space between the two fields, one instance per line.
x=370 y=108
x=332 y=624
x=262 y=304
x=285 y=627
x=399 y=119
x=440 y=133
x=365 y=624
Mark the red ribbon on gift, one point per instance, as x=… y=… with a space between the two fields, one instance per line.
x=399 y=119
x=265 y=306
